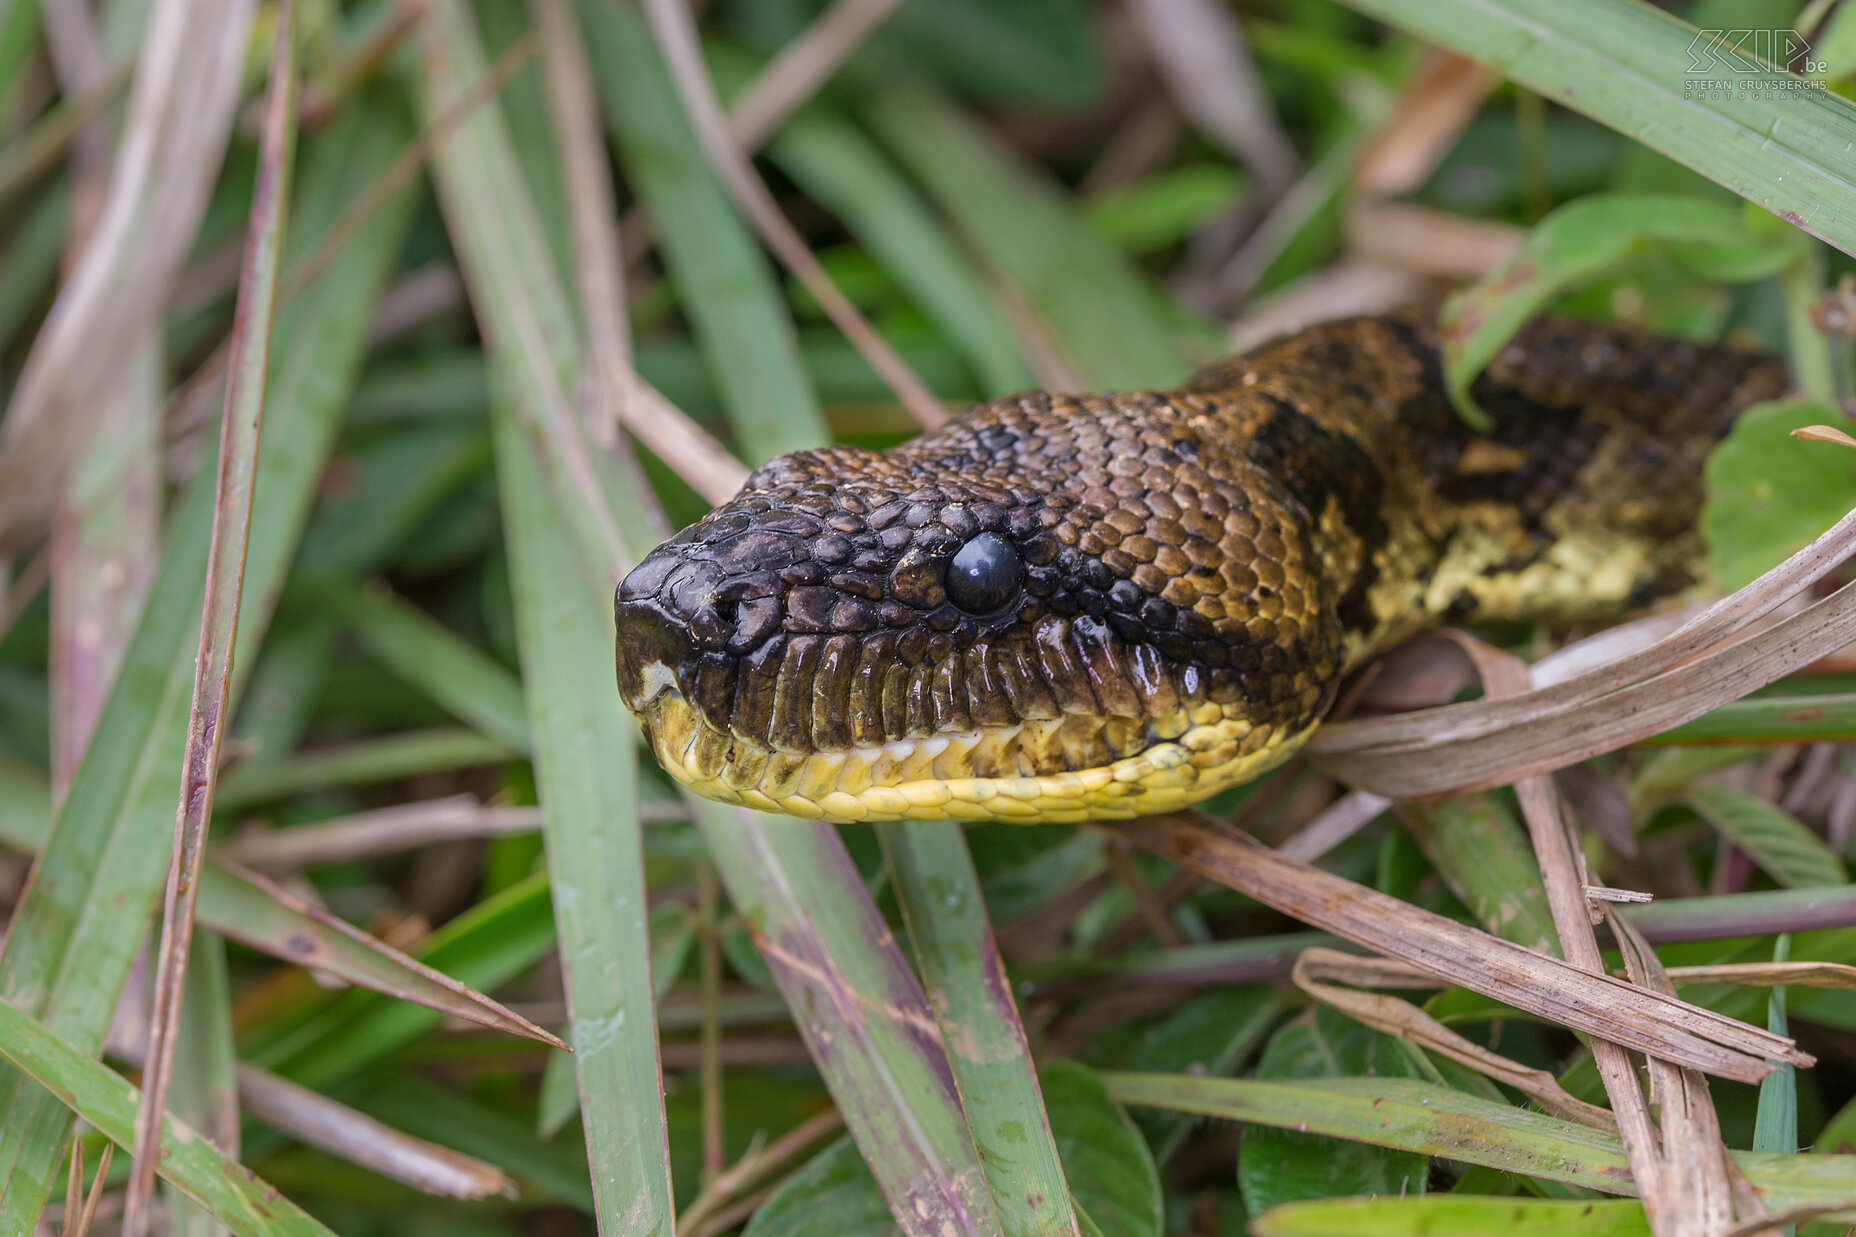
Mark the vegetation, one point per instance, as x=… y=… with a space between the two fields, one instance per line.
x=349 y=353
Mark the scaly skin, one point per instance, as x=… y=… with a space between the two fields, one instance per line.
x=1198 y=569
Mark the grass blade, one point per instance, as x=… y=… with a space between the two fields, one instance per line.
x=1768 y=719
x=470 y=684
x=361 y=763
x=722 y=280
x=484 y=947
x=225 y=583
x=1415 y=1116
x=1776 y=1125
x=866 y=1022
x=204 y=1092
x=941 y=902
x=585 y=747
x=1104 y=313
x=1629 y=66
x=251 y=910
x=180 y=115
x=586 y=754
x=1778 y=841
x=79 y=922
x=1451 y=1215
x=241 y=1201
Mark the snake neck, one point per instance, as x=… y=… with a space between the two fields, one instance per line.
x=1579 y=505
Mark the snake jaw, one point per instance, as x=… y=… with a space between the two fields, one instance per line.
x=925 y=779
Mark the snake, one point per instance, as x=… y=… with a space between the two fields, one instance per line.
x=1062 y=608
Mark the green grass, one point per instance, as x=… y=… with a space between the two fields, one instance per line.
x=1014 y=1044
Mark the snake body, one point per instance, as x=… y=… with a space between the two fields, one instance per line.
x=1066 y=608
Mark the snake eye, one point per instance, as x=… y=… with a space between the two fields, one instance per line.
x=985 y=574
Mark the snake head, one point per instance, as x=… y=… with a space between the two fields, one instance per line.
x=1031 y=614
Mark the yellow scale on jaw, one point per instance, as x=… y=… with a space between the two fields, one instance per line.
x=1211 y=752
x=1270 y=524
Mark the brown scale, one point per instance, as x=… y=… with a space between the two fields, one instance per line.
x=1241 y=539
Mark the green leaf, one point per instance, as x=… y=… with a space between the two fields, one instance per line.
x=1111 y=1172
x=1576 y=243
x=1277 y=1165
x=1630 y=66
x=204 y=1088
x=1779 y=842
x=240 y=1200
x=1770 y=494
x=1452 y=1215
x=834 y=1193
x=1211 y=1035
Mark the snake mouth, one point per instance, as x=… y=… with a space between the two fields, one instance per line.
x=938 y=777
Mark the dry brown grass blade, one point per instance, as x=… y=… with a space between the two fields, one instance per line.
x=104 y=543
x=1423 y=240
x=1200 y=50
x=599 y=274
x=1562 y=870
x=1492 y=742
x=225 y=581
x=675 y=30
x=1318 y=972
x=191 y=404
x=1832 y=975
x=617 y=394
x=1696 y=1189
x=180 y=114
x=1429 y=116
x=384 y=831
x=318 y=1121
x=755 y=1165
x=80 y=1210
x=1546 y=987
x=1333 y=825
x=1349 y=287
x=1368 y=972
x=803 y=66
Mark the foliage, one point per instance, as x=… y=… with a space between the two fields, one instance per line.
x=1024 y=1030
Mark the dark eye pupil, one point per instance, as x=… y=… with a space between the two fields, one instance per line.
x=985 y=574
